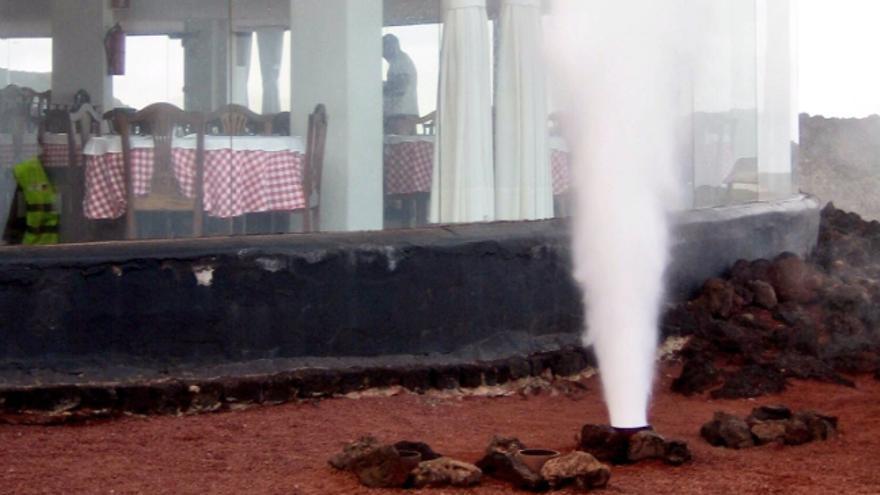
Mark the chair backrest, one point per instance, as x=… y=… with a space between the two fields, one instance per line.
x=85 y=123
x=237 y=120
x=428 y=123
x=281 y=124
x=315 y=145
x=21 y=111
x=161 y=120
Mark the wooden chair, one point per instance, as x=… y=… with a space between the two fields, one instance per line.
x=281 y=124
x=428 y=123
x=85 y=123
x=237 y=120
x=314 y=167
x=161 y=120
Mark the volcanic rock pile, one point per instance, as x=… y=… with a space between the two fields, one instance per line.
x=768 y=424
x=378 y=465
x=578 y=469
x=620 y=447
x=768 y=321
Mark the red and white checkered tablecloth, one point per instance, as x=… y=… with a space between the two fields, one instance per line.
x=560 y=168
x=237 y=181
x=55 y=155
x=409 y=166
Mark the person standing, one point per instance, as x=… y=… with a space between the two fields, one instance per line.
x=400 y=90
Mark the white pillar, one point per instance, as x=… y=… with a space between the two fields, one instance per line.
x=336 y=60
x=463 y=186
x=206 y=64
x=78 y=57
x=241 y=70
x=523 y=185
x=271 y=44
x=776 y=68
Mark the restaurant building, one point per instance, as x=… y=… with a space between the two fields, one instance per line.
x=301 y=229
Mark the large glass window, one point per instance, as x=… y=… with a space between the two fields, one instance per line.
x=154 y=73
x=432 y=116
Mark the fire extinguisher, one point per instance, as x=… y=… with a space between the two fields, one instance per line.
x=114 y=45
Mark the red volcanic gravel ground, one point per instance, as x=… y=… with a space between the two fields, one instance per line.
x=284 y=449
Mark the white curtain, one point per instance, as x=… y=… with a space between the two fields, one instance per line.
x=463 y=188
x=242 y=68
x=523 y=184
x=271 y=44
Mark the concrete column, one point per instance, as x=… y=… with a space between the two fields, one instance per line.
x=776 y=69
x=336 y=60
x=271 y=44
x=206 y=64
x=78 y=57
x=241 y=70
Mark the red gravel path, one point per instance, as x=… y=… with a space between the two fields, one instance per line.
x=284 y=449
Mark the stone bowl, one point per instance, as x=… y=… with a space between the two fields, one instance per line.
x=410 y=458
x=535 y=459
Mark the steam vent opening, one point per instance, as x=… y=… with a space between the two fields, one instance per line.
x=489 y=246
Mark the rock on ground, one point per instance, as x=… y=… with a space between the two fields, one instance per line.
x=578 y=468
x=445 y=472
x=768 y=424
x=353 y=452
x=500 y=462
x=382 y=468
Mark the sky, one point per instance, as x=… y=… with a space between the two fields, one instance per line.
x=838 y=68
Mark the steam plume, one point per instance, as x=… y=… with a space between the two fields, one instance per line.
x=615 y=64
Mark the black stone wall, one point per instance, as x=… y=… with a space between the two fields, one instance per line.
x=430 y=291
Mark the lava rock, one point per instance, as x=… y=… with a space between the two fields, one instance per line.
x=353 y=452
x=769 y=413
x=810 y=368
x=764 y=294
x=446 y=378
x=422 y=448
x=717 y=297
x=578 y=468
x=697 y=376
x=797 y=432
x=519 y=368
x=416 y=378
x=822 y=427
x=382 y=468
x=443 y=472
x=792 y=279
x=645 y=445
x=605 y=443
x=726 y=430
x=752 y=380
x=677 y=453
x=471 y=376
x=765 y=432
x=500 y=462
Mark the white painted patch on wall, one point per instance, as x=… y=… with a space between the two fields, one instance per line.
x=204 y=275
x=393 y=258
x=271 y=265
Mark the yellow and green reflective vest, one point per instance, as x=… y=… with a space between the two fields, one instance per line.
x=42 y=218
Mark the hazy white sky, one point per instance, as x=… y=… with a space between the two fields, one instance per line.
x=839 y=69
x=839 y=66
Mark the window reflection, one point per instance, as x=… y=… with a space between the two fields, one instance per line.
x=386 y=160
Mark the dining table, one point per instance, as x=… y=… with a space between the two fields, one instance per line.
x=409 y=164
x=242 y=174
